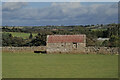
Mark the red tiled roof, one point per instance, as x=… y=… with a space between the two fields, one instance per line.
x=65 y=38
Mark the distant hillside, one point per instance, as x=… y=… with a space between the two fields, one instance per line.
x=36 y=35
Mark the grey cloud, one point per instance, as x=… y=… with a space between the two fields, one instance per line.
x=0 y=15
x=11 y=6
x=62 y=13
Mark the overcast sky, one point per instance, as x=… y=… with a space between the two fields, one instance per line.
x=50 y=13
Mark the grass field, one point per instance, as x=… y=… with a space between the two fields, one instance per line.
x=19 y=34
x=98 y=29
x=31 y=65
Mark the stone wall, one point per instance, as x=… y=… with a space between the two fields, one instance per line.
x=23 y=49
x=102 y=50
x=81 y=50
x=87 y=50
x=65 y=47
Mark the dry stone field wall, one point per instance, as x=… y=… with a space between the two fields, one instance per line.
x=102 y=50
x=88 y=50
x=23 y=49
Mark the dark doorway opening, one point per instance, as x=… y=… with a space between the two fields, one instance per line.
x=42 y=52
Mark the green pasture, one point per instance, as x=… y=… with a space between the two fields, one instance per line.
x=33 y=65
x=20 y=34
x=98 y=29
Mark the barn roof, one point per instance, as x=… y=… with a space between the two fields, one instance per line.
x=65 y=38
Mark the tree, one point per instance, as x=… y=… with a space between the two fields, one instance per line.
x=31 y=36
x=10 y=35
x=106 y=43
x=114 y=41
x=39 y=40
x=9 y=40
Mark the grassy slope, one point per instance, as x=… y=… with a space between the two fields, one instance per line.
x=59 y=66
x=19 y=34
x=98 y=29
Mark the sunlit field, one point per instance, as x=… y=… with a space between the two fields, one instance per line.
x=33 y=65
x=20 y=34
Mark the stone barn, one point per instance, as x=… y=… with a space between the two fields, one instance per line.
x=66 y=43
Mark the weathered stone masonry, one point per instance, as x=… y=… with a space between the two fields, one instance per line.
x=75 y=44
x=102 y=50
x=66 y=43
x=88 y=50
x=23 y=49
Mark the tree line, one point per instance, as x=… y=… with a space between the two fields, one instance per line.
x=111 y=32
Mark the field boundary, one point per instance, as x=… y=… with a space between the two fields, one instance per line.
x=88 y=50
x=23 y=49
